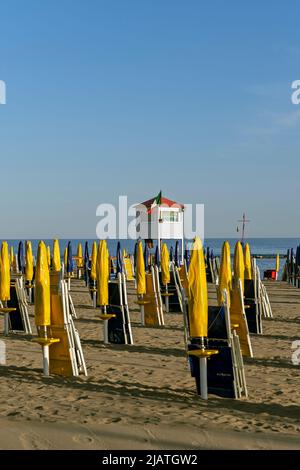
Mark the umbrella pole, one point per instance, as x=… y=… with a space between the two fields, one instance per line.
x=105 y=327
x=94 y=296
x=142 y=311
x=167 y=299
x=30 y=293
x=6 y=320
x=69 y=281
x=45 y=355
x=203 y=373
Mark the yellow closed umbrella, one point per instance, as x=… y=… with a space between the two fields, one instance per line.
x=11 y=256
x=79 y=256
x=225 y=275
x=49 y=255
x=165 y=273
x=56 y=263
x=102 y=274
x=165 y=265
x=94 y=262
x=277 y=263
x=42 y=314
x=4 y=273
x=198 y=303
x=42 y=304
x=247 y=262
x=5 y=285
x=238 y=264
x=140 y=270
x=29 y=262
x=198 y=313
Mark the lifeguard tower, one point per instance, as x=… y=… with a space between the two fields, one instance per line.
x=160 y=218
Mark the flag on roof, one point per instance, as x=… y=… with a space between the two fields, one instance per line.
x=156 y=202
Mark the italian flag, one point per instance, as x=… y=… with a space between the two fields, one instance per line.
x=156 y=202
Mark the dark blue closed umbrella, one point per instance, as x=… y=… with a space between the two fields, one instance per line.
x=292 y=254
x=21 y=262
x=171 y=255
x=119 y=259
x=207 y=253
x=86 y=262
x=298 y=256
x=146 y=257
x=70 y=259
x=177 y=256
x=212 y=254
x=156 y=257
x=187 y=257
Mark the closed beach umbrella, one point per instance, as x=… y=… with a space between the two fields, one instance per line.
x=177 y=256
x=4 y=273
x=225 y=275
x=247 y=262
x=156 y=257
x=297 y=255
x=146 y=257
x=49 y=255
x=21 y=257
x=42 y=315
x=70 y=267
x=171 y=254
x=278 y=263
x=66 y=256
x=102 y=274
x=238 y=264
x=165 y=265
x=211 y=254
x=86 y=255
x=187 y=257
x=29 y=261
x=11 y=255
x=86 y=261
x=140 y=270
x=94 y=262
x=79 y=256
x=56 y=264
x=198 y=303
x=119 y=259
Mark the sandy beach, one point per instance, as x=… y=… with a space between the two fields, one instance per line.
x=143 y=397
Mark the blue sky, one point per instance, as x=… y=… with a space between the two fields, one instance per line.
x=130 y=97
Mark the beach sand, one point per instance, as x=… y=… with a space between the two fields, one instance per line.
x=143 y=397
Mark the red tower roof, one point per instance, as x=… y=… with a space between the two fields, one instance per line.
x=164 y=202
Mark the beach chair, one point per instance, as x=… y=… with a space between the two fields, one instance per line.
x=119 y=325
x=175 y=290
x=18 y=319
x=238 y=320
x=252 y=301
x=129 y=269
x=153 y=312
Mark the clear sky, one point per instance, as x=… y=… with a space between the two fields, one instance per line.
x=130 y=97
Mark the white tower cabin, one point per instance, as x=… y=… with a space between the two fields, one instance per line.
x=162 y=221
